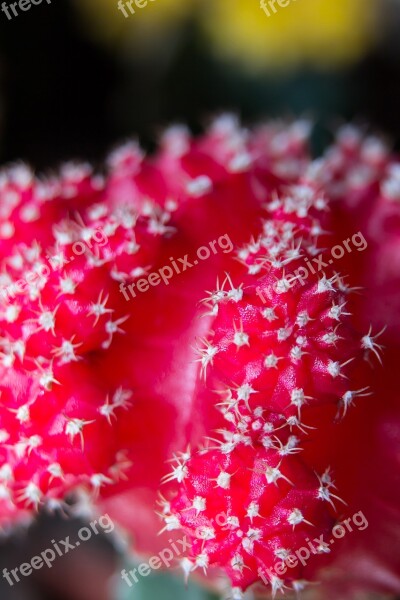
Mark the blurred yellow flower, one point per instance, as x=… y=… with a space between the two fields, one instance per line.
x=321 y=32
x=318 y=32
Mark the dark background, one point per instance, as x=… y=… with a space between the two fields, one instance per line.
x=65 y=96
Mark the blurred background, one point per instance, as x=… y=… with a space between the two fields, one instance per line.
x=78 y=76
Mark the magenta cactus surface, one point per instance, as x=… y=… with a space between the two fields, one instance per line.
x=190 y=306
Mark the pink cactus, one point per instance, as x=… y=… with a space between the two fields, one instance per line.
x=282 y=359
x=247 y=510
x=88 y=371
x=59 y=317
